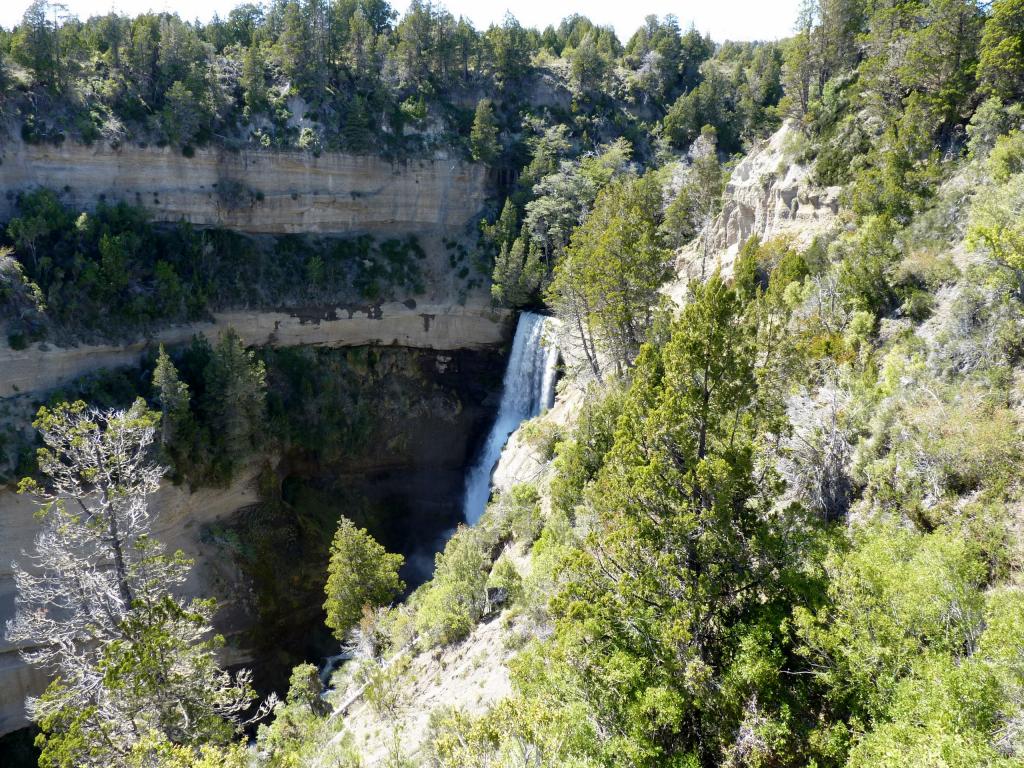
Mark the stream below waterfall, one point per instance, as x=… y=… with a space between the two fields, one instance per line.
x=528 y=389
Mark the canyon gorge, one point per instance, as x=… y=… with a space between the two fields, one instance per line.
x=424 y=372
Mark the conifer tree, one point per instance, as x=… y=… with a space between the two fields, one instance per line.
x=1001 y=65
x=172 y=395
x=254 y=88
x=483 y=138
x=132 y=662
x=361 y=573
x=234 y=401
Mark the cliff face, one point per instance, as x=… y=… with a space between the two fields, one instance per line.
x=768 y=195
x=251 y=191
x=428 y=326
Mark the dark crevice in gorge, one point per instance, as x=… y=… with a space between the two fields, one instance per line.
x=383 y=436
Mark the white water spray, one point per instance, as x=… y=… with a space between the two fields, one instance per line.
x=527 y=390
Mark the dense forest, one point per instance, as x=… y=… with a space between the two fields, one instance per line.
x=778 y=522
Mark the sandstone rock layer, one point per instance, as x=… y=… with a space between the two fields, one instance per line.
x=258 y=191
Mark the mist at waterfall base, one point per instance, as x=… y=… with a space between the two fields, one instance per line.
x=527 y=390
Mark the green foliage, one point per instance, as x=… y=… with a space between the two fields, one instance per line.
x=700 y=197
x=36 y=44
x=910 y=647
x=516 y=515
x=182 y=115
x=580 y=457
x=867 y=261
x=483 y=138
x=902 y=168
x=172 y=395
x=504 y=575
x=1002 y=51
x=517 y=274
x=649 y=621
x=995 y=224
x=234 y=402
x=135 y=664
x=113 y=272
x=542 y=435
x=361 y=573
x=1007 y=157
x=456 y=598
x=285 y=742
x=604 y=287
x=990 y=121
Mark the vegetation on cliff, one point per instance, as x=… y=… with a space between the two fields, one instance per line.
x=112 y=273
x=353 y=76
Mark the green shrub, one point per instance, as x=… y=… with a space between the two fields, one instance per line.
x=456 y=598
x=361 y=573
x=1007 y=157
x=504 y=575
x=542 y=435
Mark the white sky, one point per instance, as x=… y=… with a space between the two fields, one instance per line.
x=724 y=19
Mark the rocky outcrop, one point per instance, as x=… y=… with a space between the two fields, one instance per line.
x=258 y=191
x=430 y=326
x=768 y=195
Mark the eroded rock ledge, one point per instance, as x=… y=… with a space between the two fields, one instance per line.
x=769 y=194
x=257 y=191
x=406 y=324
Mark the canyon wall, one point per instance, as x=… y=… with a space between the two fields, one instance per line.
x=263 y=555
x=271 y=192
x=44 y=366
x=257 y=191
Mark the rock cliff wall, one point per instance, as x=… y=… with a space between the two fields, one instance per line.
x=257 y=192
x=254 y=191
x=769 y=194
x=430 y=326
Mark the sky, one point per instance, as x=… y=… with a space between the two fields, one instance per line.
x=724 y=19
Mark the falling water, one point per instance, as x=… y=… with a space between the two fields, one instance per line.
x=528 y=389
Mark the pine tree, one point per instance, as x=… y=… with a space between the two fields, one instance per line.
x=518 y=273
x=172 y=395
x=182 y=114
x=361 y=573
x=253 y=80
x=234 y=401
x=503 y=231
x=657 y=610
x=357 y=132
x=483 y=138
x=612 y=270
x=35 y=44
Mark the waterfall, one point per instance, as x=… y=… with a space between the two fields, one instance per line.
x=527 y=390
